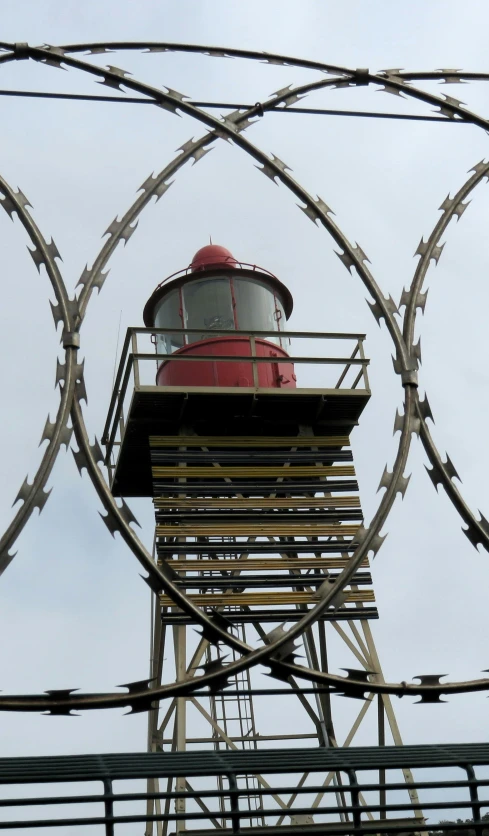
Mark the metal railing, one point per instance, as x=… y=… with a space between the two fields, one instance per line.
x=133 y=363
x=450 y=791
x=220 y=267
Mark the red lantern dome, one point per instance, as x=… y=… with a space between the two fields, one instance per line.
x=212 y=256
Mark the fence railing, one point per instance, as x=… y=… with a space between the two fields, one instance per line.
x=141 y=366
x=450 y=782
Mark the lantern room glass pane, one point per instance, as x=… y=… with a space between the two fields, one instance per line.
x=167 y=315
x=257 y=308
x=208 y=306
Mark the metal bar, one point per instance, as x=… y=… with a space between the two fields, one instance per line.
x=42 y=801
x=355 y=797
x=306 y=335
x=381 y=725
x=365 y=372
x=348 y=367
x=180 y=651
x=228 y=580
x=237 y=615
x=256 y=472
x=234 y=799
x=256 y=381
x=310 y=547
x=250 y=358
x=116 y=385
x=273 y=599
x=255 y=442
x=232 y=745
x=272 y=529
x=262 y=488
x=137 y=357
x=474 y=798
x=391 y=717
x=245 y=737
x=358 y=653
x=351 y=734
x=120 y=406
x=261 y=564
x=209 y=516
x=328 y=455
x=258 y=504
x=109 y=807
x=197 y=797
x=357 y=379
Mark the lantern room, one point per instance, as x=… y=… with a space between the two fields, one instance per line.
x=214 y=297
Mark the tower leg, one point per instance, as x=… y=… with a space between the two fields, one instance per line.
x=389 y=711
x=180 y=650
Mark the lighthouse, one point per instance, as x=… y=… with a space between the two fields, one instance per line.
x=257 y=511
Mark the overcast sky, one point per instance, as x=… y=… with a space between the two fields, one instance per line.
x=74 y=612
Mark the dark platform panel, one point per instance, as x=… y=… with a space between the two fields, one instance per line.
x=158 y=410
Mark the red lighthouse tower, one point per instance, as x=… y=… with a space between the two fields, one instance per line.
x=217 y=295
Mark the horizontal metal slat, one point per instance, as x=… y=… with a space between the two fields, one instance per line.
x=260 y=457
x=165 y=549
x=269 y=598
x=267 y=502
x=254 y=529
x=123 y=766
x=252 y=564
x=299 y=517
x=249 y=441
x=262 y=488
x=264 y=581
x=259 y=616
x=252 y=472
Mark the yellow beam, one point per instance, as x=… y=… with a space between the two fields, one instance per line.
x=267 y=502
x=254 y=529
x=268 y=598
x=252 y=471
x=248 y=441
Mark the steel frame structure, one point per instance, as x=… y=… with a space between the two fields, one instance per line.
x=142 y=696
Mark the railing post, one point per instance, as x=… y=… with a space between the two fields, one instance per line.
x=121 y=421
x=474 y=797
x=253 y=361
x=109 y=807
x=134 y=348
x=234 y=803
x=381 y=724
x=364 y=367
x=355 y=800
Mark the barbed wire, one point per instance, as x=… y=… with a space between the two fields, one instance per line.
x=69 y=375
